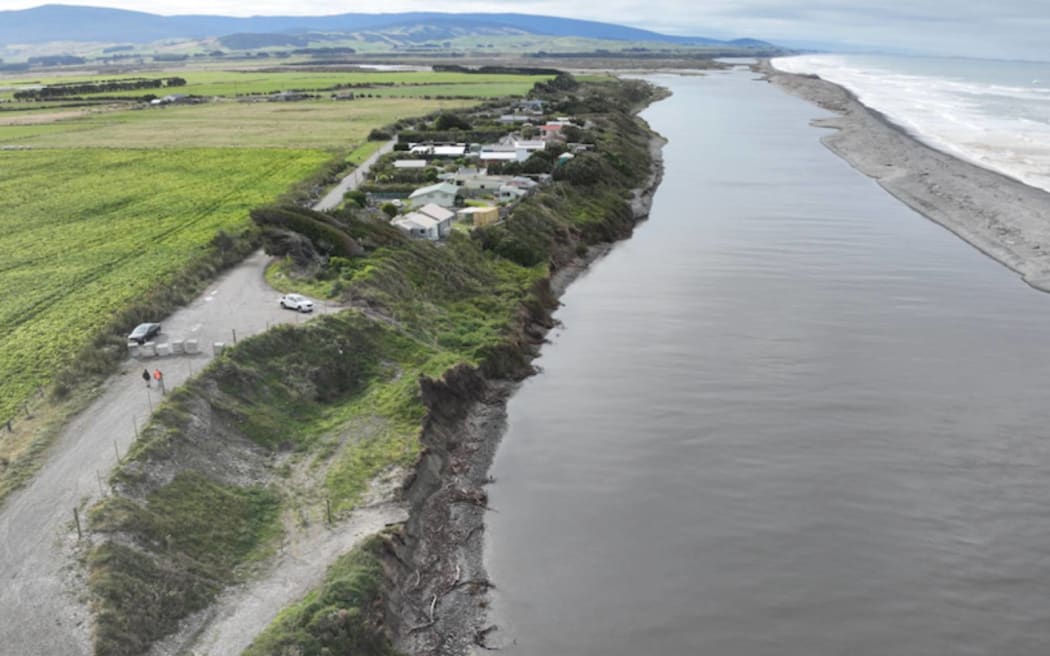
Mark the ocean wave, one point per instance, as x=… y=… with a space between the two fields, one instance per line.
x=991 y=118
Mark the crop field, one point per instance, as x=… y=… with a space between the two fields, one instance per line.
x=84 y=233
x=305 y=124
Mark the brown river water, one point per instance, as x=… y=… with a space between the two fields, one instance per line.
x=789 y=417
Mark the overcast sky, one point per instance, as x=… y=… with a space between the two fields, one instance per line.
x=982 y=28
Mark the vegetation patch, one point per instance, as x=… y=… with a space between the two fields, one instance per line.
x=174 y=556
x=344 y=616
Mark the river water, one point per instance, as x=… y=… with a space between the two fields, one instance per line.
x=789 y=416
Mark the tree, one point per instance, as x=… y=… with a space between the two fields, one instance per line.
x=450 y=121
x=389 y=209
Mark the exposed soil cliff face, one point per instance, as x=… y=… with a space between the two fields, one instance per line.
x=437 y=584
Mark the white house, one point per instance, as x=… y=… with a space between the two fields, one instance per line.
x=442 y=193
x=457 y=150
x=443 y=217
x=512 y=151
x=418 y=225
x=490 y=183
x=510 y=192
x=410 y=164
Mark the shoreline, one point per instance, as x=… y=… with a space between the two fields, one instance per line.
x=437 y=593
x=1002 y=217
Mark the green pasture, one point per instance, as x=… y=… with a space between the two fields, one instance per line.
x=227 y=124
x=233 y=83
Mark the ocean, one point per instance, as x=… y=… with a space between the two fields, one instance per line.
x=995 y=114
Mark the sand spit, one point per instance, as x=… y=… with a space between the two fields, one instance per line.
x=1007 y=220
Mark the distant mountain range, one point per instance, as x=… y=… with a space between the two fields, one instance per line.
x=50 y=23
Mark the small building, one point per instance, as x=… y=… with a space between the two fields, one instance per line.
x=510 y=193
x=486 y=183
x=479 y=216
x=442 y=193
x=410 y=164
x=434 y=150
x=498 y=154
x=532 y=106
x=418 y=226
x=441 y=215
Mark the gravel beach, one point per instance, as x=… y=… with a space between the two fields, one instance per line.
x=1007 y=220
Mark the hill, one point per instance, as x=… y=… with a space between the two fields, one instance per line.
x=49 y=23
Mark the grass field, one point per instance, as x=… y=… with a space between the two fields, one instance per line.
x=307 y=124
x=228 y=83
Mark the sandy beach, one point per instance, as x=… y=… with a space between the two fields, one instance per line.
x=1005 y=219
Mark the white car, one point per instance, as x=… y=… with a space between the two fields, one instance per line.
x=297 y=302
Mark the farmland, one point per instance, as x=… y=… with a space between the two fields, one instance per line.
x=308 y=124
x=228 y=84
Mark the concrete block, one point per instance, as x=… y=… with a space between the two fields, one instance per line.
x=217 y=347
x=191 y=347
x=148 y=350
x=163 y=350
x=178 y=346
x=133 y=349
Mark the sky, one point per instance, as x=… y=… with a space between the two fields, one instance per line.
x=1007 y=29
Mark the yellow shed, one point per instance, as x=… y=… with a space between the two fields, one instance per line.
x=480 y=216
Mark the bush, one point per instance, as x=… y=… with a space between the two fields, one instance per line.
x=450 y=121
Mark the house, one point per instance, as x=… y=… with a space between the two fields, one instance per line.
x=533 y=106
x=173 y=99
x=479 y=216
x=514 y=118
x=418 y=225
x=513 y=150
x=441 y=215
x=498 y=154
x=489 y=183
x=442 y=193
x=510 y=193
x=464 y=172
x=450 y=151
x=523 y=183
x=410 y=164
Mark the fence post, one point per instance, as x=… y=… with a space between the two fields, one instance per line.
x=328 y=509
x=76 y=518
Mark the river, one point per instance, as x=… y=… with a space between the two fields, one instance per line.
x=789 y=416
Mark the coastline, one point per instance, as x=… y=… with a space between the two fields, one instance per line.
x=1003 y=218
x=436 y=596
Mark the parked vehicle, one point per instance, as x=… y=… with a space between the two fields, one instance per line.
x=144 y=332
x=297 y=302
